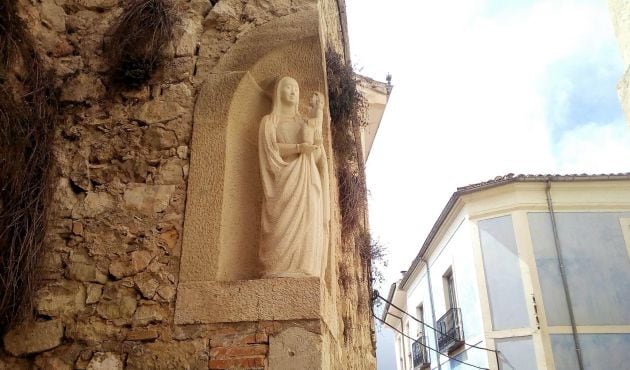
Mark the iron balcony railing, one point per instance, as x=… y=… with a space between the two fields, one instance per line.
x=451 y=330
x=419 y=353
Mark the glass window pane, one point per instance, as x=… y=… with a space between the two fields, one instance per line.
x=503 y=274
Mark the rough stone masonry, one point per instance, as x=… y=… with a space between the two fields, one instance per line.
x=111 y=264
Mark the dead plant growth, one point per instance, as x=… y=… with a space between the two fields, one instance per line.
x=371 y=252
x=344 y=277
x=348 y=114
x=14 y=43
x=138 y=40
x=352 y=198
x=26 y=133
x=347 y=111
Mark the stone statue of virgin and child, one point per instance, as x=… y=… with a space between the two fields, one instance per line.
x=296 y=204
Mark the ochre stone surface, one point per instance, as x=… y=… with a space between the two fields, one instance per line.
x=295 y=349
x=33 y=337
x=249 y=300
x=127 y=167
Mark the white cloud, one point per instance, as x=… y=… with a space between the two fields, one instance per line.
x=595 y=148
x=467 y=104
x=471 y=101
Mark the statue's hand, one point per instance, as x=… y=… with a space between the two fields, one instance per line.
x=306 y=148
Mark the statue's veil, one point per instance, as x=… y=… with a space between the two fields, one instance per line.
x=276 y=98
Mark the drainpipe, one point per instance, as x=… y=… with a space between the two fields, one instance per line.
x=565 y=285
x=435 y=337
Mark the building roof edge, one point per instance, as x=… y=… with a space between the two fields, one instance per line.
x=497 y=181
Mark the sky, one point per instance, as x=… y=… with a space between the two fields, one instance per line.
x=481 y=88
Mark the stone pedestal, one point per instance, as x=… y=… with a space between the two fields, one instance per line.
x=209 y=302
x=285 y=323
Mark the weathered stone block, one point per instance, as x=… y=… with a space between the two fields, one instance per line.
x=158 y=111
x=68 y=65
x=295 y=349
x=14 y=363
x=148 y=199
x=89 y=4
x=179 y=93
x=117 y=302
x=61 y=298
x=53 y=15
x=60 y=358
x=169 y=239
x=93 y=331
x=94 y=204
x=170 y=173
x=94 y=292
x=33 y=337
x=174 y=355
x=51 y=266
x=140 y=260
x=166 y=292
x=64 y=198
x=182 y=152
x=148 y=314
x=187 y=40
x=85 y=272
x=105 y=361
x=82 y=88
x=160 y=138
x=147 y=284
x=120 y=269
x=52 y=363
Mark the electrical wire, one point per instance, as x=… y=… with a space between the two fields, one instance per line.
x=377 y=295
x=427 y=347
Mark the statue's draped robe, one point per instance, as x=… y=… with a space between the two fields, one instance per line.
x=295 y=210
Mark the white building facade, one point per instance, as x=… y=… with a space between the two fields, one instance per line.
x=534 y=267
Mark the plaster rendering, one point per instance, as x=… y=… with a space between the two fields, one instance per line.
x=296 y=210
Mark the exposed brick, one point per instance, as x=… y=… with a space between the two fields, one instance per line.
x=238 y=339
x=257 y=362
x=250 y=350
x=142 y=334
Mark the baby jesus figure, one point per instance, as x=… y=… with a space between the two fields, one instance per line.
x=312 y=130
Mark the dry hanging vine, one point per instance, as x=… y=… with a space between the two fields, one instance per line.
x=138 y=40
x=347 y=111
x=27 y=111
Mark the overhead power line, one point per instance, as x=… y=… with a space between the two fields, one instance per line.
x=377 y=295
x=429 y=348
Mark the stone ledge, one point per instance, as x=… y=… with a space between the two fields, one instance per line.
x=207 y=302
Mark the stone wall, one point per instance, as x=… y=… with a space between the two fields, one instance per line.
x=620 y=14
x=111 y=265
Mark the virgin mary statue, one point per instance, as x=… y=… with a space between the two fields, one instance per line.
x=295 y=209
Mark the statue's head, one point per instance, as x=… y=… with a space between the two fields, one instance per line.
x=317 y=100
x=287 y=93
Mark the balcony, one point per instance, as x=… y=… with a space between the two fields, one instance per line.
x=451 y=331
x=419 y=354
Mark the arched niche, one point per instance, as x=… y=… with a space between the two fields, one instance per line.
x=240 y=225
x=222 y=224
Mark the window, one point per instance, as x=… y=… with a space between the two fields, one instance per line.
x=402 y=352
x=408 y=349
x=449 y=290
x=451 y=333
x=420 y=316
